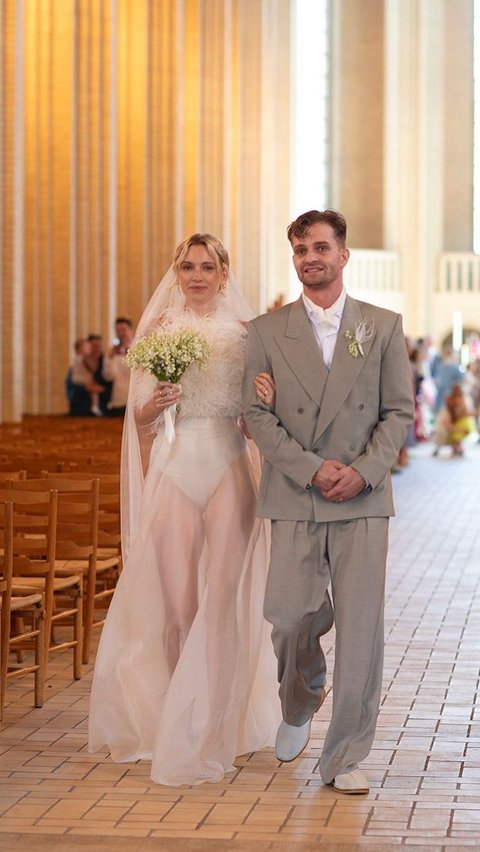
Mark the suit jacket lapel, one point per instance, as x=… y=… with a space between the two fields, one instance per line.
x=300 y=350
x=345 y=367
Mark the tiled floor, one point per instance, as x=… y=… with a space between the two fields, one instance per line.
x=424 y=767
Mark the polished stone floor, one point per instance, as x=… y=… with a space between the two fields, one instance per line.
x=424 y=767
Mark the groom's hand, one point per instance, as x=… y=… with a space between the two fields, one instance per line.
x=349 y=484
x=327 y=475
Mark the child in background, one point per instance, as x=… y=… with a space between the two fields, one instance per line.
x=454 y=423
x=82 y=379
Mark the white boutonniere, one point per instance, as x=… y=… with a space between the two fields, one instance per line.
x=363 y=332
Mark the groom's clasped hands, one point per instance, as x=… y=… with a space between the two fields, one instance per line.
x=338 y=482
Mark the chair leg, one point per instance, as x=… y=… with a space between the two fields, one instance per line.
x=88 y=616
x=4 y=652
x=19 y=628
x=38 y=623
x=53 y=628
x=49 y=608
x=78 y=633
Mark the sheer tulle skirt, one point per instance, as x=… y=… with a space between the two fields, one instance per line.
x=185 y=673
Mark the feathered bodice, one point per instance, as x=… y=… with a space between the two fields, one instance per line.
x=212 y=390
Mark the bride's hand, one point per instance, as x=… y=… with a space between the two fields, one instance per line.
x=166 y=394
x=265 y=388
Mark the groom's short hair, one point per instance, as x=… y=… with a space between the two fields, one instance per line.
x=302 y=224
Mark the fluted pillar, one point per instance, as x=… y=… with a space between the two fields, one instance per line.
x=12 y=338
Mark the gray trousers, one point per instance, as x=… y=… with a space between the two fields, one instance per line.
x=306 y=558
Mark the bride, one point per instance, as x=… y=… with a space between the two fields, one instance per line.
x=184 y=675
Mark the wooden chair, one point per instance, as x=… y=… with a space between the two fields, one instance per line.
x=14 y=609
x=109 y=555
x=9 y=466
x=92 y=460
x=5 y=479
x=77 y=541
x=14 y=475
x=35 y=551
x=34 y=465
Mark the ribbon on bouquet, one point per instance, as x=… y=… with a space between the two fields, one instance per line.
x=170 y=415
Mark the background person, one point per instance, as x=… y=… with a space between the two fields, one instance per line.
x=454 y=422
x=115 y=370
x=83 y=391
x=94 y=360
x=446 y=373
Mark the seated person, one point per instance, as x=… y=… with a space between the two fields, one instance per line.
x=82 y=390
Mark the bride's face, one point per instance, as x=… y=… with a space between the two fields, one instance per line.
x=199 y=277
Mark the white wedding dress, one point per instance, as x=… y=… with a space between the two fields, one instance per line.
x=185 y=673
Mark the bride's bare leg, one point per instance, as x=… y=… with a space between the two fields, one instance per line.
x=178 y=541
x=229 y=520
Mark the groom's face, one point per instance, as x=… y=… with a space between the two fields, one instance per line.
x=317 y=257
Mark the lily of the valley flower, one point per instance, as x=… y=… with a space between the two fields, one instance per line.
x=363 y=332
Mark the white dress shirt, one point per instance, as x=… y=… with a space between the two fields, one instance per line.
x=325 y=324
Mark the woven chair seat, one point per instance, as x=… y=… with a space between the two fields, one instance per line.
x=24 y=584
x=25 y=602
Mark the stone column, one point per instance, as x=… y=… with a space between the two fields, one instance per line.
x=414 y=153
x=357 y=118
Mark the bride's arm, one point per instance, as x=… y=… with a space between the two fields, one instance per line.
x=149 y=404
x=164 y=395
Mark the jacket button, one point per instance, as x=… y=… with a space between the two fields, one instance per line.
x=299 y=410
x=352 y=447
x=361 y=406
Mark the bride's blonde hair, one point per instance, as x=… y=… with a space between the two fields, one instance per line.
x=215 y=248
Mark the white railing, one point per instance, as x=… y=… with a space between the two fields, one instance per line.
x=373 y=276
x=373 y=270
x=459 y=273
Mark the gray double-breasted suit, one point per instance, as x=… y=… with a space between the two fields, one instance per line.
x=358 y=413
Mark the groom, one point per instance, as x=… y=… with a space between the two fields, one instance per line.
x=342 y=407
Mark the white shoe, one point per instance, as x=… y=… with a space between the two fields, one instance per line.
x=352 y=783
x=291 y=740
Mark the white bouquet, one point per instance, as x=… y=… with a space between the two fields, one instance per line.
x=167 y=354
